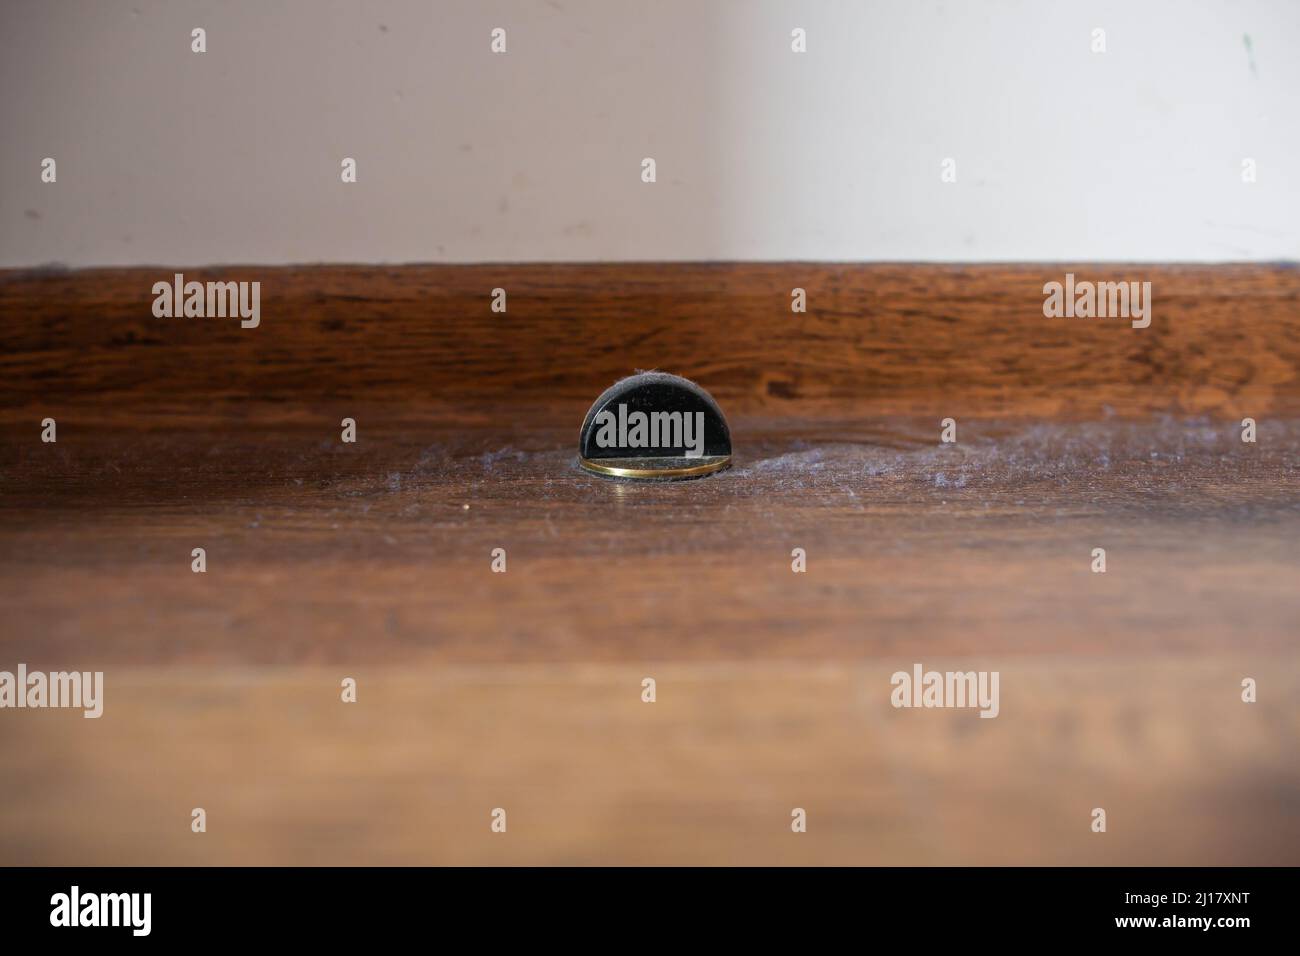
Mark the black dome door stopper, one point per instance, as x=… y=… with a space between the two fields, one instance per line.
x=657 y=427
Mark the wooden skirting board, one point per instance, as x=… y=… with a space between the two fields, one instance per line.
x=875 y=340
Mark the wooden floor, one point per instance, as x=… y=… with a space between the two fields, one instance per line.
x=522 y=690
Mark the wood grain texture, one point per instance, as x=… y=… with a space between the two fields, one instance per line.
x=706 y=775
x=522 y=690
x=914 y=546
x=877 y=339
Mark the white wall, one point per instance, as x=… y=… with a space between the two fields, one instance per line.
x=170 y=157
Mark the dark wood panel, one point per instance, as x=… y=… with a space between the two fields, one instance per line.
x=522 y=689
x=877 y=339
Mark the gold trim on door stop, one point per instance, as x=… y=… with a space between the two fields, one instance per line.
x=608 y=467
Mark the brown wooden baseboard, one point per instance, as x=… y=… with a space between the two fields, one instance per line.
x=875 y=340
